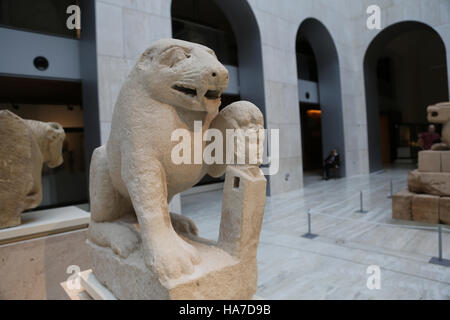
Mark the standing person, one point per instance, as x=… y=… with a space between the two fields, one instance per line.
x=429 y=138
x=332 y=161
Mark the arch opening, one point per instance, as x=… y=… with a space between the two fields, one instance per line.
x=405 y=70
x=320 y=98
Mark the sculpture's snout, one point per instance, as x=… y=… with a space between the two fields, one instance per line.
x=218 y=77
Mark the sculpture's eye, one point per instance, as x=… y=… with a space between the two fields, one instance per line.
x=211 y=52
x=173 y=55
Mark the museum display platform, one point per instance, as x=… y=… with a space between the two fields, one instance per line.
x=87 y=287
x=36 y=254
x=427 y=198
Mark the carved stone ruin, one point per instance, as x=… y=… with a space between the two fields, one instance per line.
x=25 y=145
x=428 y=195
x=139 y=249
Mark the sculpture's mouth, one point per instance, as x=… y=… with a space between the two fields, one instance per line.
x=186 y=91
x=210 y=94
x=213 y=94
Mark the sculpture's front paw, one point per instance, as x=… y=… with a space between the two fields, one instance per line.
x=173 y=257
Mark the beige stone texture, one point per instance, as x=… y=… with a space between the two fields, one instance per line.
x=440 y=113
x=25 y=145
x=34 y=269
x=429 y=161
x=444 y=210
x=402 y=205
x=434 y=183
x=445 y=161
x=228 y=267
x=425 y=208
x=133 y=236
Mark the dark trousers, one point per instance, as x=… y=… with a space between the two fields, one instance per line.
x=326 y=170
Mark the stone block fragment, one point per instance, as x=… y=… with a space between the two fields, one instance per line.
x=402 y=205
x=430 y=161
x=434 y=183
x=425 y=208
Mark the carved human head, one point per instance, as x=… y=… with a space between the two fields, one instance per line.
x=182 y=74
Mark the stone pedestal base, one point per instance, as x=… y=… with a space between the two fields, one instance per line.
x=421 y=207
x=35 y=256
x=402 y=205
x=425 y=208
x=218 y=276
x=228 y=267
x=434 y=183
x=89 y=288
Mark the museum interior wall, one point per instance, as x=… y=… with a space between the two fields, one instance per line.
x=263 y=66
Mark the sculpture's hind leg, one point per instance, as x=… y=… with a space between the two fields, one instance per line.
x=107 y=207
x=106 y=203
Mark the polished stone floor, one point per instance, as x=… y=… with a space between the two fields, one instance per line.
x=334 y=264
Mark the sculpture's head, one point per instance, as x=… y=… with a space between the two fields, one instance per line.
x=182 y=74
x=54 y=138
x=439 y=113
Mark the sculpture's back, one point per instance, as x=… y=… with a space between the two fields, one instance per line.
x=15 y=168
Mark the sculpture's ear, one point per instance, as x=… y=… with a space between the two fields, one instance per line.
x=54 y=131
x=172 y=55
x=146 y=59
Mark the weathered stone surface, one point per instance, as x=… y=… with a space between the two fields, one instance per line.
x=402 y=205
x=434 y=183
x=425 y=208
x=174 y=84
x=445 y=161
x=429 y=161
x=25 y=145
x=444 y=210
x=34 y=269
x=228 y=267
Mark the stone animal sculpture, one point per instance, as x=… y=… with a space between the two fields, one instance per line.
x=440 y=113
x=173 y=84
x=25 y=145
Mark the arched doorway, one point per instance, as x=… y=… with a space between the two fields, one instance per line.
x=405 y=70
x=230 y=29
x=319 y=95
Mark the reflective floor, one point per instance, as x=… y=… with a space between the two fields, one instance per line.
x=334 y=264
